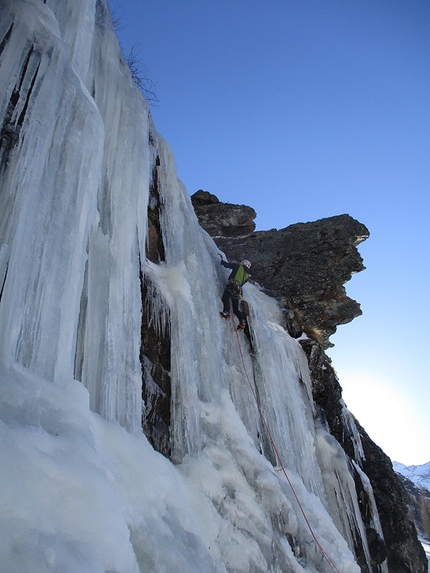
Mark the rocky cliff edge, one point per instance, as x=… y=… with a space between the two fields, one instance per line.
x=305 y=264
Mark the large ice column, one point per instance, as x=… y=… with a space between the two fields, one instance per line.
x=111 y=367
x=73 y=202
x=283 y=387
x=110 y=318
x=51 y=166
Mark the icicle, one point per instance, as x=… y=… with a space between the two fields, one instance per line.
x=349 y=423
x=373 y=517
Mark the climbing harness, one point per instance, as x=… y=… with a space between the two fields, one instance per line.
x=278 y=457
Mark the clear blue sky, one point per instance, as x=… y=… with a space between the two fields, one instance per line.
x=305 y=109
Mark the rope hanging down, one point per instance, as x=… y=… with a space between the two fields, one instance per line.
x=278 y=457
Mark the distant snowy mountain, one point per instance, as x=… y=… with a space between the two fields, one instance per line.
x=418 y=475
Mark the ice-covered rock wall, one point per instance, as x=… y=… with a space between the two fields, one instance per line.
x=83 y=490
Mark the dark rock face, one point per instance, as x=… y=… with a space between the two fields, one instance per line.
x=419 y=507
x=154 y=243
x=306 y=264
x=155 y=359
x=155 y=348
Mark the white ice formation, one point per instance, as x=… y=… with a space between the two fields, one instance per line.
x=82 y=490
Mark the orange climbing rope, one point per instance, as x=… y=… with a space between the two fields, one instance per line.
x=272 y=441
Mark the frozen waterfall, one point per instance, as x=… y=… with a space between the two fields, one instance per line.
x=82 y=488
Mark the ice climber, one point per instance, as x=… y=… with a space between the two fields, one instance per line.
x=233 y=290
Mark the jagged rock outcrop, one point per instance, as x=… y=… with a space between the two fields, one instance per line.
x=306 y=264
x=223 y=219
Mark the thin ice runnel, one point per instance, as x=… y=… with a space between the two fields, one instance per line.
x=374 y=521
x=348 y=422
